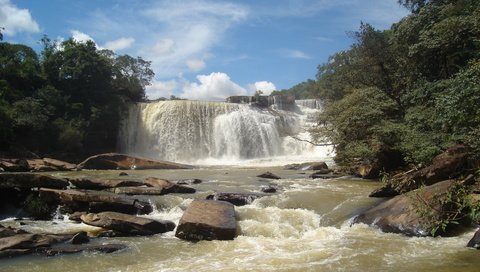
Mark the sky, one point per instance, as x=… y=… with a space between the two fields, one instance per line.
x=205 y=49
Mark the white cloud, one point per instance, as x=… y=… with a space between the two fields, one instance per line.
x=119 y=44
x=81 y=37
x=265 y=86
x=213 y=87
x=196 y=65
x=163 y=47
x=161 y=89
x=16 y=20
x=296 y=54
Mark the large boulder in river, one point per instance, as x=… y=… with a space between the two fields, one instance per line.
x=475 y=241
x=115 y=161
x=30 y=180
x=237 y=199
x=127 y=224
x=168 y=187
x=269 y=175
x=96 y=201
x=207 y=220
x=99 y=184
x=414 y=213
x=14 y=165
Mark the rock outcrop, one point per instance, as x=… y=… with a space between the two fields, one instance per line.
x=98 y=184
x=116 y=161
x=237 y=199
x=168 y=187
x=207 y=220
x=405 y=213
x=128 y=225
x=316 y=166
x=31 y=180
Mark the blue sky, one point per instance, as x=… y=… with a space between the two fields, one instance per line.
x=206 y=49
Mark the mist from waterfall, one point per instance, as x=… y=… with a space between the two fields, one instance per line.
x=214 y=132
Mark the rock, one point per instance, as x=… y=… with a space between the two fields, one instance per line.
x=319 y=175
x=400 y=215
x=207 y=220
x=60 y=165
x=384 y=191
x=76 y=216
x=138 y=191
x=9 y=231
x=368 y=170
x=21 y=244
x=70 y=249
x=188 y=181
x=30 y=180
x=96 y=201
x=97 y=184
x=38 y=165
x=121 y=174
x=80 y=238
x=168 y=187
x=475 y=241
x=127 y=224
x=307 y=166
x=269 y=175
x=450 y=164
x=237 y=199
x=268 y=189
x=115 y=161
x=14 y=165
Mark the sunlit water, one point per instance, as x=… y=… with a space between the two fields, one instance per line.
x=304 y=227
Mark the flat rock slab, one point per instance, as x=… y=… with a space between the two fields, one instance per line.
x=207 y=220
x=321 y=175
x=98 y=184
x=127 y=224
x=237 y=199
x=116 y=161
x=31 y=180
x=269 y=175
x=168 y=187
x=97 y=201
x=307 y=166
x=138 y=191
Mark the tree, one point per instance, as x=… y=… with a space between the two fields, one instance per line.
x=131 y=76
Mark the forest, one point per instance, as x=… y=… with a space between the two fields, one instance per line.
x=67 y=101
x=405 y=94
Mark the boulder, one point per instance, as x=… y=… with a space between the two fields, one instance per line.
x=80 y=238
x=76 y=216
x=188 y=181
x=269 y=175
x=237 y=199
x=38 y=165
x=31 y=180
x=138 y=191
x=60 y=165
x=475 y=241
x=403 y=213
x=97 y=184
x=72 y=248
x=384 y=191
x=168 y=187
x=96 y=201
x=307 y=166
x=14 y=165
x=207 y=220
x=127 y=224
x=115 y=161
x=320 y=175
x=268 y=189
x=26 y=243
x=368 y=170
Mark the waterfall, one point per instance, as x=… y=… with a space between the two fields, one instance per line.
x=309 y=103
x=192 y=131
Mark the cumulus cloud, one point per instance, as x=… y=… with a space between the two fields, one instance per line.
x=196 y=65
x=161 y=89
x=213 y=87
x=81 y=37
x=265 y=86
x=119 y=44
x=16 y=20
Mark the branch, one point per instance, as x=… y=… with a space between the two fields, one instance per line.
x=310 y=142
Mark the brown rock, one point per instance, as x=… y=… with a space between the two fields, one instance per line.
x=14 y=165
x=400 y=215
x=307 y=166
x=475 y=241
x=368 y=170
x=115 y=161
x=269 y=175
x=207 y=220
x=127 y=224
x=97 y=184
x=237 y=199
x=138 y=191
x=80 y=238
x=168 y=187
x=30 y=180
x=60 y=165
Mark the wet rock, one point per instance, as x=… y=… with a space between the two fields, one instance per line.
x=14 y=165
x=188 y=181
x=237 y=199
x=96 y=201
x=475 y=241
x=97 y=184
x=115 y=161
x=268 y=189
x=319 y=175
x=70 y=249
x=31 y=180
x=9 y=231
x=76 y=216
x=307 y=166
x=401 y=215
x=122 y=174
x=384 y=191
x=80 y=238
x=269 y=175
x=207 y=220
x=168 y=187
x=60 y=165
x=21 y=244
x=127 y=224
x=138 y=191
x=368 y=170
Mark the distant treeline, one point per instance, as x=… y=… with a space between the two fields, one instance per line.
x=406 y=93
x=68 y=99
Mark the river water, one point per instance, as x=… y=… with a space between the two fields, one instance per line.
x=305 y=226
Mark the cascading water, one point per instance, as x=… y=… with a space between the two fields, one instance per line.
x=193 y=131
